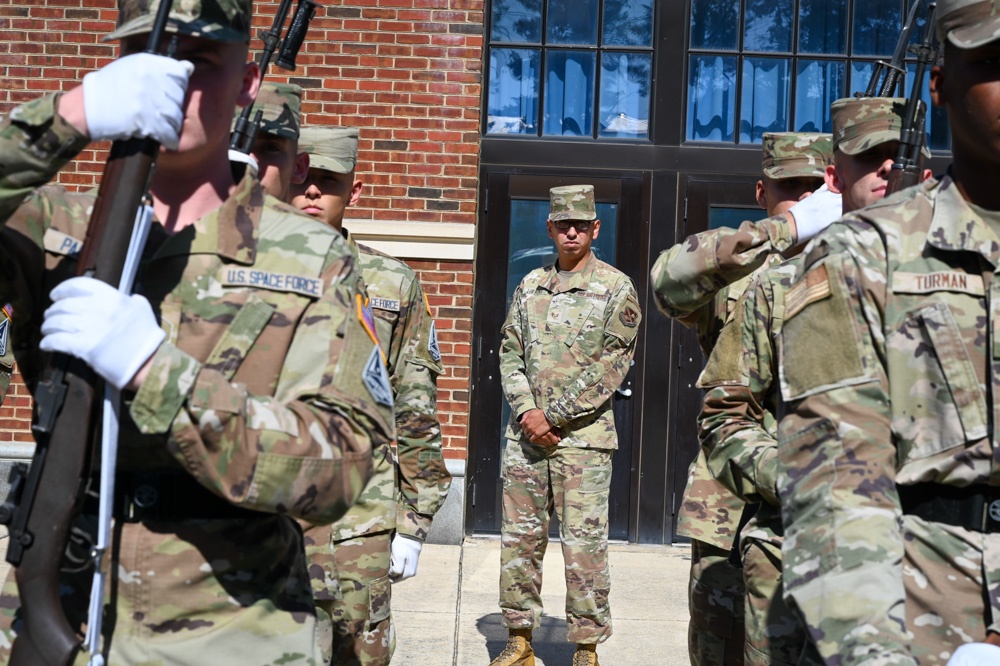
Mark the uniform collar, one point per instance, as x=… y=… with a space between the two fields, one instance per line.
x=955 y=226
x=231 y=231
x=581 y=279
x=351 y=243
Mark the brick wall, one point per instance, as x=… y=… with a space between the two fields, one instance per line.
x=406 y=72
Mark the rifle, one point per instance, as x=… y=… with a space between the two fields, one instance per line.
x=907 y=167
x=245 y=130
x=46 y=498
x=894 y=71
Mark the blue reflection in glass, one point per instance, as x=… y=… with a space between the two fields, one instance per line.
x=764 y=97
x=938 y=133
x=823 y=26
x=572 y=22
x=714 y=24
x=516 y=21
x=512 y=107
x=768 y=25
x=725 y=216
x=624 y=102
x=877 y=24
x=569 y=93
x=711 y=98
x=628 y=23
x=818 y=84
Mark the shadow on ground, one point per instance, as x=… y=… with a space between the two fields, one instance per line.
x=548 y=641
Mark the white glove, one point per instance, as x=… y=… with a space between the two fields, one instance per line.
x=243 y=158
x=140 y=95
x=405 y=554
x=975 y=654
x=113 y=333
x=815 y=213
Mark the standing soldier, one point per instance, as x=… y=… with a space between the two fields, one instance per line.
x=738 y=426
x=698 y=282
x=567 y=343
x=275 y=154
x=242 y=409
x=409 y=484
x=888 y=467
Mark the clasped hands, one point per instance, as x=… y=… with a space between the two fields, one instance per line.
x=538 y=429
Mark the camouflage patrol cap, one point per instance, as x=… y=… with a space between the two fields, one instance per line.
x=218 y=20
x=572 y=202
x=330 y=148
x=968 y=23
x=282 y=107
x=861 y=123
x=796 y=154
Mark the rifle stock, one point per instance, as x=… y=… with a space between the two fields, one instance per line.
x=66 y=399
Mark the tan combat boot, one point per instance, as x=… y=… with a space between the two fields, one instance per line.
x=518 y=651
x=585 y=655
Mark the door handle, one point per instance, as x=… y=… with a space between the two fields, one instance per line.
x=625 y=393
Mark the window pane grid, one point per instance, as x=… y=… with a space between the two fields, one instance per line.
x=595 y=75
x=780 y=63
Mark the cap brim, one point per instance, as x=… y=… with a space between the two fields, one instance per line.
x=573 y=215
x=330 y=164
x=778 y=173
x=144 y=25
x=977 y=34
x=868 y=141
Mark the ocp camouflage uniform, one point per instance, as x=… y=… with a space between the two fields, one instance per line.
x=567 y=343
x=350 y=559
x=698 y=282
x=886 y=458
x=260 y=406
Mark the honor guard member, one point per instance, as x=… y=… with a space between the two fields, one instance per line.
x=378 y=542
x=698 y=282
x=738 y=427
x=567 y=343
x=887 y=458
x=275 y=154
x=250 y=398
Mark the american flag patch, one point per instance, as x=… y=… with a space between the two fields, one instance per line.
x=815 y=286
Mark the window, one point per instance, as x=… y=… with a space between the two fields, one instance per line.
x=578 y=68
x=758 y=66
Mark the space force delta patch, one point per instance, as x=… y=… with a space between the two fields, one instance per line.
x=376 y=378
x=432 y=344
x=8 y=313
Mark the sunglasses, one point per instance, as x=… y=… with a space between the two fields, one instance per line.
x=564 y=225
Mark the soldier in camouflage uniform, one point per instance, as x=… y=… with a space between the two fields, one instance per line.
x=887 y=463
x=567 y=343
x=275 y=153
x=738 y=429
x=354 y=560
x=252 y=391
x=698 y=282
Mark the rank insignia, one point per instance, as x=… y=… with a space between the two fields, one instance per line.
x=629 y=317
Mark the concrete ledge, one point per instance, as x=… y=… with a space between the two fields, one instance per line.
x=449 y=522
x=442 y=241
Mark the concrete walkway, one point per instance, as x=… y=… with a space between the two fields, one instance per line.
x=447 y=615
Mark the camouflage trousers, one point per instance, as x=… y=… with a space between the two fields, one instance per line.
x=575 y=484
x=715 y=601
x=952 y=581
x=774 y=633
x=362 y=624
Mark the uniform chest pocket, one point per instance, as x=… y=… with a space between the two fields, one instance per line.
x=937 y=400
x=575 y=322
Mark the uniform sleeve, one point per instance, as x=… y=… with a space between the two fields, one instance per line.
x=306 y=450
x=423 y=477
x=843 y=545
x=686 y=277
x=35 y=142
x=736 y=426
x=513 y=375
x=597 y=383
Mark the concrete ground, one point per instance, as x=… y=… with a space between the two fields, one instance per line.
x=447 y=615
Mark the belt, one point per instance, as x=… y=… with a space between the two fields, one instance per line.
x=171 y=497
x=976 y=508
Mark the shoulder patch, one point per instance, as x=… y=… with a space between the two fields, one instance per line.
x=367 y=318
x=432 y=344
x=629 y=316
x=815 y=286
x=376 y=378
x=4 y=328
x=233 y=276
x=390 y=304
x=427 y=305
x=925 y=283
x=57 y=242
